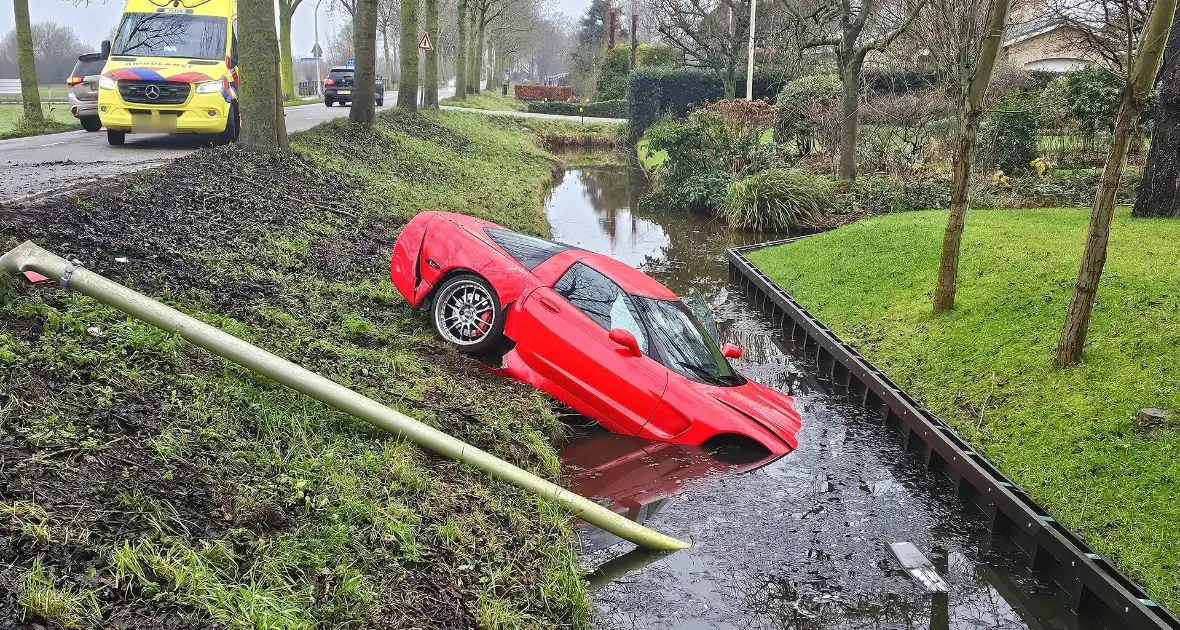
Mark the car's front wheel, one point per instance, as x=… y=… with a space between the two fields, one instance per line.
x=466 y=312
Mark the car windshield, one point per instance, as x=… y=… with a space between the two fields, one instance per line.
x=684 y=345
x=171 y=35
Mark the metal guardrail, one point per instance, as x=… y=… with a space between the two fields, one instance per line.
x=1097 y=589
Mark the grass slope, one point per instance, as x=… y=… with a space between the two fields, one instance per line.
x=1066 y=435
x=149 y=484
x=488 y=100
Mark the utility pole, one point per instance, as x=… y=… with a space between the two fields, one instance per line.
x=750 y=63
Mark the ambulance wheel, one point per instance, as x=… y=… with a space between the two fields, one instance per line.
x=233 y=127
x=116 y=138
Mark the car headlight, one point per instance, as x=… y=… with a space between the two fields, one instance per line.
x=209 y=87
x=106 y=83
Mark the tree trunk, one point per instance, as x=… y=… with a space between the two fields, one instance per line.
x=364 y=106
x=407 y=87
x=1159 y=193
x=260 y=99
x=1081 y=305
x=729 y=81
x=430 y=99
x=850 y=119
x=461 y=54
x=634 y=35
x=287 y=63
x=24 y=59
x=388 y=57
x=495 y=60
x=972 y=112
x=481 y=46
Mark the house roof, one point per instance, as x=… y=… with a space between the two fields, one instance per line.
x=1024 y=31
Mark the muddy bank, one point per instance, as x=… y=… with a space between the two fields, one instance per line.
x=147 y=484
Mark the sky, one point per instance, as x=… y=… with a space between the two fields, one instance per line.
x=94 y=23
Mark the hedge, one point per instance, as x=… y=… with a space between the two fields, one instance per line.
x=897 y=81
x=536 y=92
x=602 y=109
x=654 y=93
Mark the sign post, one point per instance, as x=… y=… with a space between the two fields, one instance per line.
x=425 y=46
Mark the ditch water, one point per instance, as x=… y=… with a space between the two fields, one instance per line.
x=798 y=543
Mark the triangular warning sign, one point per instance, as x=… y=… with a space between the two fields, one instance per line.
x=424 y=41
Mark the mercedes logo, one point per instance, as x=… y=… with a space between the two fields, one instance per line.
x=152 y=92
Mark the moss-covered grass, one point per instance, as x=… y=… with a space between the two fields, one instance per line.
x=57 y=119
x=149 y=484
x=488 y=100
x=1069 y=436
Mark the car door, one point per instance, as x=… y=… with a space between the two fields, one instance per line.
x=562 y=334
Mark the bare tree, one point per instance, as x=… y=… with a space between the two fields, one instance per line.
x=260 y=101
x=430 y=64
x=1140 y=78
x=364 y=97
x=462 y=47
x=970 y=112
x=389 y=25
x=713 y=32
x=407 y=87
x=286 y=12
x=853 y=30
x=25 y=59
x=1106 y=30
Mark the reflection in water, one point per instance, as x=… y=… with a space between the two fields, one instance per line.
x=799 y=543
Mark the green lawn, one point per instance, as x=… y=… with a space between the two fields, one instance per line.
x=488 y=100
x=57 y=118
x=1066 y=435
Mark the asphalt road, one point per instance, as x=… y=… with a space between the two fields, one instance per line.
x=47 y=164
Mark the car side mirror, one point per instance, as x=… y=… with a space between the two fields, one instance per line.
x=730 y=351
x=106 y=49
x=625 y=339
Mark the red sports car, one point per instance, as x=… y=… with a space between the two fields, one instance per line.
x=594 y=333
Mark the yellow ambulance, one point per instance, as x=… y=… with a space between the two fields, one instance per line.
x=172 y=68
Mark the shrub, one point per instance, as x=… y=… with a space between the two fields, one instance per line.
x=1093 y=97
x=654 y=93
x=901 y=130
x=808 y=112
x=656 y=56
x=897 y=81
x=612 y=73
x=742 y=117
x=1010 y=137
x=777 y=199
x=603 y=109
x=536 y=92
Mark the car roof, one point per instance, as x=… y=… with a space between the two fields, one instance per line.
x=341 y=69
x=629 y=279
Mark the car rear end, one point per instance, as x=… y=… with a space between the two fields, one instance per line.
x=83 y=94
x=339 y=86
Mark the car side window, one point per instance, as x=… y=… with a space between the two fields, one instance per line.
x=601 y=300
x=233 y=46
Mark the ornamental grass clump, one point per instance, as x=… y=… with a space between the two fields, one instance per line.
x=777 y=199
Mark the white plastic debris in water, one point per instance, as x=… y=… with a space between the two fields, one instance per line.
x=121 y=259
x=919 y=567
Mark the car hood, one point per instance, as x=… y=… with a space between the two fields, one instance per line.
x=772 y=409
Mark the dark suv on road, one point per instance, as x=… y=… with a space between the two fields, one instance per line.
x=339 y=86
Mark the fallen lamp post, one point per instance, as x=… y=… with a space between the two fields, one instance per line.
x=28 y=257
